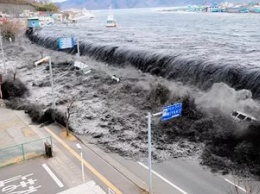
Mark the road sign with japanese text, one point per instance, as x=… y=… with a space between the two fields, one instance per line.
x=66 y=42
x=172 y=111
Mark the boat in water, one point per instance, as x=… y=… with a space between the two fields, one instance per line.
x=110 y=19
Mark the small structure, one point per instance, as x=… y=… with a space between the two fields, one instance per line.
x=82 y=67
x=33 y=23
x=57 y=17
x=242 y=116
x=26 y=14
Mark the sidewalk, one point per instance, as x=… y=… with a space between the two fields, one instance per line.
x=16 y=128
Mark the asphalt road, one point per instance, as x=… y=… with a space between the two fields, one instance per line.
x=63 y=171
x=30 y=177
x=95 y=167
x=179 y=176
x=192 y=177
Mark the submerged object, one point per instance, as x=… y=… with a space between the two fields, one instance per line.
x=82 y=67
x=115 y=78
x=242 y=116
x=43 y=60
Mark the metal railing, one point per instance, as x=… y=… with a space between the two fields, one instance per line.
x=24 y=151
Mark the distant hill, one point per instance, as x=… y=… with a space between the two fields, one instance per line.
x=16 y=2
x=15 y=6
x=117 y=4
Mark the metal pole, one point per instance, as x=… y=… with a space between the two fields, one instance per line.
x=150 y=152
x=23 y=152
x=52 y=86
x=78 y=47
x=82 y=167
x=2 y=50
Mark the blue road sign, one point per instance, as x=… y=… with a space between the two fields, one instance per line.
x=171 y=111
x=66 y=42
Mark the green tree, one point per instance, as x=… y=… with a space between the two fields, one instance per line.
x=46 y=6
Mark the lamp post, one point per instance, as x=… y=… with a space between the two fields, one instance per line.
x=81 y=156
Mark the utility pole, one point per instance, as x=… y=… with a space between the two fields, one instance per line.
x=52 y=84
x=2 y=51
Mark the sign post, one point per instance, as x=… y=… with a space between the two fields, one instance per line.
x=78 y=52
x=168 y=112
x=69 y=42
x=150 y=151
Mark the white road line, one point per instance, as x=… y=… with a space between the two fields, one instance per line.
x=164 y=179
x=53 y=176
x=241 y=188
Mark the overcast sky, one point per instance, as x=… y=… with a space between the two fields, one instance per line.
x=57 y=0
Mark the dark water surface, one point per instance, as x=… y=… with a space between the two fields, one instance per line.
x=213 y=36
x=198 y=48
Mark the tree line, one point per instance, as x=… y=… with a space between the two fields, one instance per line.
x=43 y=5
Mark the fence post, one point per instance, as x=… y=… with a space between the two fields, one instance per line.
x=23 y=152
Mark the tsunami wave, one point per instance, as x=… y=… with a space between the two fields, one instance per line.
x=200 y=73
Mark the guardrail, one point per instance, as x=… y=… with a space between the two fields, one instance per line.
x=24 y=151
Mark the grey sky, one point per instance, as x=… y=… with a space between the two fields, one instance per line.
x=57 y=0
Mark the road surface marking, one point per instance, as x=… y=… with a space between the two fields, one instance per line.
x=91 y=168
x=164 y=179
x=53 y=176
x=241 y=188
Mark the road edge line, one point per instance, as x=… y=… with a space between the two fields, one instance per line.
x=230 y=182
x=164 y=179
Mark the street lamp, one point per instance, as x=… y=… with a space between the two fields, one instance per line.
x=82 y=167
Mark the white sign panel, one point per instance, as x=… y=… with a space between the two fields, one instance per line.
x=66 y=42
